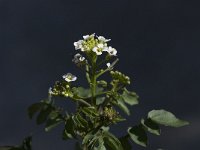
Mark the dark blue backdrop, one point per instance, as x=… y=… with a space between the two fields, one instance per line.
x=157 y=43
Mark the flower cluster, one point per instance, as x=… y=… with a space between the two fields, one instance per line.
x=96 y=44
x=63 y=88
x=60 y=89
x=110 y=114
x=78 y=59
x=120 y=77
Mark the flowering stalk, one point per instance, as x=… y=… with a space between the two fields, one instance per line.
x=93 y=81
x=98 y=103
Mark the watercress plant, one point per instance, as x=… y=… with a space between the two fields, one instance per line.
x=97 y=102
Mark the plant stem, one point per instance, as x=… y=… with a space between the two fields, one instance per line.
x=85 y=147
x=93 y=80
x=93 y=89
x=108 y=69
x=87 y=72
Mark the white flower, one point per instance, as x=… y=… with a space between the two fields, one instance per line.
x=112 y=51
x=78 y=45
x=69 y=77
x=103 y=39
x=85 y=37
x=78 y=58
x=97 y=50
x=82 y=58
x=108 y=65
x=50 y=91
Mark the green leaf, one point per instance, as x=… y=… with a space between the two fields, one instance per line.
x=43 y=115
x=130 y=98
x=82 y=92
x=52 y=123
x=125 y=143
x=82 y=121
x=99 y=90
x=66 y=136
x=151 y=126
x=120 y=103
x=34 y=108
x=89 y=139
x=118 y=119
x=112 y=143
x=70 y=128
x=90 y=112
x=138 y=135
x=166 y=118
x=100 y=100
x=54 y=114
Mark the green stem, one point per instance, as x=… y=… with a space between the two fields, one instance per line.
x=93 y=81
x=87 y=72
x=108 y=69
x=85 y=147
x=82 y=101
x=93 y=89
x=102 y=93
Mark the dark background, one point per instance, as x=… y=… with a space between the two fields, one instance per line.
x=157 y=43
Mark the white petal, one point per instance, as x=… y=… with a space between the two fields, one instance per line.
x=112 y=51
x=108 y=64
x=105 y=49
x=95 y=49
x=78 y=58
x=78 y=44
x=100 y=45
x=82 y=49
x=50 y=90
x=99 y=52
x=68 y=80
x=74 y=78
x=82 y=58
x=103 y=39
x=85 y=37
x=69 y=77
x=92 y=35
x=77 y=55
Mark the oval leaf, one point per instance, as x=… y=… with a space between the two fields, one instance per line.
x=112 y=143
x=51 y=123
x=82 y=92
x=151 y=126
x=43 y=115
x=130 y=98
x=166 y=118
x=34 y=108
x=125 y=143
x=138 y=135
x=122 y=106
